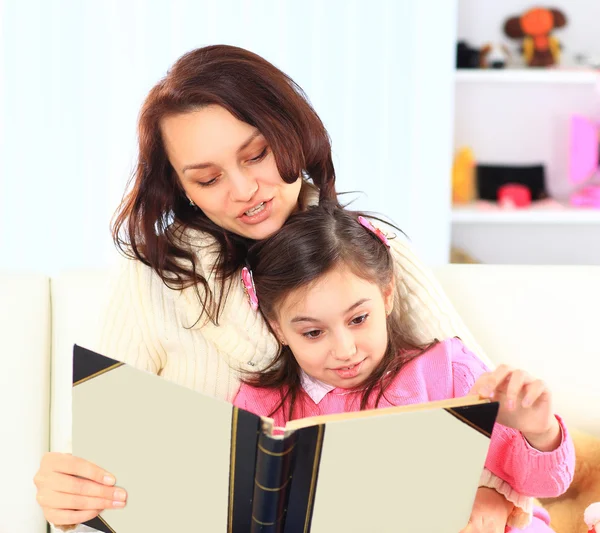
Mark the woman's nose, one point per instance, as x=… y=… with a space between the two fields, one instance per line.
x=243 y=188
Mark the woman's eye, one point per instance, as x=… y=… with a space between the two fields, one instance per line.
x=313 y=334
x=260 y=156
x=209 y=182
x=359 y=319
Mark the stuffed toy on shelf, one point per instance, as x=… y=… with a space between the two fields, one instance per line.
x=592 y=518
x=540 y=48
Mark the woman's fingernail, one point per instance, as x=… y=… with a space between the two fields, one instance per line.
x=510 y=404
x=120 y=495
x=109 y=480
x=118 y=504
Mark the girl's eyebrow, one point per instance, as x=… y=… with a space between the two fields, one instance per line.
x=310 y=319
x=199 y=166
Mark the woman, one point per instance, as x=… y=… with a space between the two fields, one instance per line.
x=229 y=147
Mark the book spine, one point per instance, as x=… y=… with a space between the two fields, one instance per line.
x=245 y=429
x=274 y=463
x=307 y=459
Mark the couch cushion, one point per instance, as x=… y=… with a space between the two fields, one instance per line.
x=24 y=393
x=77 y=301
x=543 y=319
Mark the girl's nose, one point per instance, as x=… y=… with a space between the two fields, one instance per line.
x=345 y=347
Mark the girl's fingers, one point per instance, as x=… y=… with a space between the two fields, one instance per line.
x=533 y=392
x=487 y=383
x=514 y=387
x=66 y=518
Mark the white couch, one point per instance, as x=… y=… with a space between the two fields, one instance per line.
x=543 y=319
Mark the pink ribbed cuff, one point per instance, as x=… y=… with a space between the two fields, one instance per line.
x=521 y=515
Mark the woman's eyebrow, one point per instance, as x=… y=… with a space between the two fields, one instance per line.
x=199 y=166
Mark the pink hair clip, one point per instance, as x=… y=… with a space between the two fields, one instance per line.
x=380 y=235
x=248 y=283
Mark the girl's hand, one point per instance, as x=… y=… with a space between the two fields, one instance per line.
x=525 y=405
x=71 y=490
x=490 y=512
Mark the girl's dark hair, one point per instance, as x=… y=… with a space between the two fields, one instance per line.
x=310 y=244
x=150 y=224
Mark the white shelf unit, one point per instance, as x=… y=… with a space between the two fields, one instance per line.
x=522 y=75
x=567 y=215
x=521 y=116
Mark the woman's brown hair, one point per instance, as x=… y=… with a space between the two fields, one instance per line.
x=310 y=244
x=152 y=221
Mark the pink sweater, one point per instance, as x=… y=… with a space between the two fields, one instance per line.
x=447 y=370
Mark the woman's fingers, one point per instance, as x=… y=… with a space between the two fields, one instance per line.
x=65 y=518
x=71 y=490
x=62 y=491
x=69 y=464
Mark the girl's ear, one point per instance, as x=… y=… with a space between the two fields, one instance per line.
x=278 y=331
x=388 y=297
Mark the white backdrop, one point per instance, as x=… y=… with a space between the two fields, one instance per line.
x=73 y=74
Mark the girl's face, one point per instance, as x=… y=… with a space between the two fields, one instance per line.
x=336 y=328
x=228 y=170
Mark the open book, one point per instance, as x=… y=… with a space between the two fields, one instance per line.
x=192 y=463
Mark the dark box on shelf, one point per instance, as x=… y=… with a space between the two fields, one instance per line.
x=491 y=177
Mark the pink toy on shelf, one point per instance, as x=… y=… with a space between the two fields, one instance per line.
x=584 y=161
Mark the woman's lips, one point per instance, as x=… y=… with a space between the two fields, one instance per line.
x=260 y=216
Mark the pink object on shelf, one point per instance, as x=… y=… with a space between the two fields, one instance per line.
x=513 y=195
x=587 y=197
x=584 y=148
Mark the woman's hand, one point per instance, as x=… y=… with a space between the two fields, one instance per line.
x=525 y=405
x=490 y=512
x=71 y=490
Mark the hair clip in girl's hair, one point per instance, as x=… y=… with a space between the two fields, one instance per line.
x=248 y=283
x=380 y=235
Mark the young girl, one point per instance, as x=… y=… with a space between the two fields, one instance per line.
x=325 y=284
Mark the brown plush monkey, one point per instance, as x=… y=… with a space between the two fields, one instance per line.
x=540 y=49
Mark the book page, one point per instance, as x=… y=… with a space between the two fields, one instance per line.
x=411 y=472
x=168 y=446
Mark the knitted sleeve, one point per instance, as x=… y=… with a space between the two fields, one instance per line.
x=147 y=325
x=513 y=467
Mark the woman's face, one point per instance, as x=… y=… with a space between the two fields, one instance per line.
x=228 y=170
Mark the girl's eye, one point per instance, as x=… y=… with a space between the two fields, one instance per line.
x=260 y=156
x=359 y=319
x=313 y=334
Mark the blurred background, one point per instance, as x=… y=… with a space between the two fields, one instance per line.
x=416 y=119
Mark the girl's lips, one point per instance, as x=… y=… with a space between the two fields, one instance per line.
x=349 y=372
x=261 y=216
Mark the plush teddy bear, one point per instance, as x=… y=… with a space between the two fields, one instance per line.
x=567 y=512
x=540 y=49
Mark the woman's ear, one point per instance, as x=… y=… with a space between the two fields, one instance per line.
x=388 y=297
x=278 y=331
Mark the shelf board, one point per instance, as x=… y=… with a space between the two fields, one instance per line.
x=557 y=215
x=531 y=75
